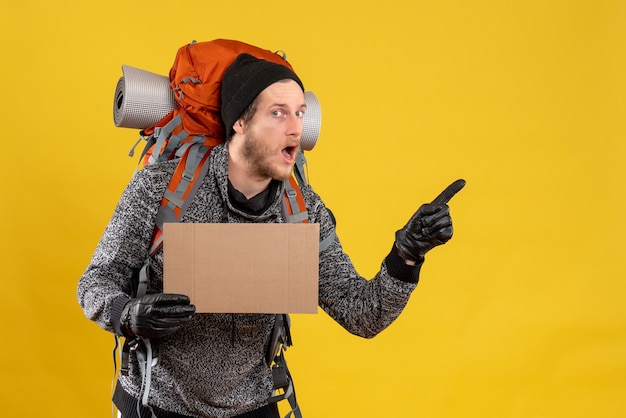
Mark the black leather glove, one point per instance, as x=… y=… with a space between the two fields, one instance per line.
x=429 y=227
x=155 y=315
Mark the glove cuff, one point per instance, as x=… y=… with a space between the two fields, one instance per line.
x=117 y=307
x=397 y=267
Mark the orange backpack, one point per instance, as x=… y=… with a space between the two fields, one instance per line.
x=196 y=78
x=194 y=126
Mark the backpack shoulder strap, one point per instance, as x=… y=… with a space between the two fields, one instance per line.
x=294 y=208
x=183 y=186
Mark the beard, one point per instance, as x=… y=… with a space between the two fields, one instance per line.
x=259 y=156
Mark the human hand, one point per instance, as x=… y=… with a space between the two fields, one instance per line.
x=429 y=227
x=155 y=315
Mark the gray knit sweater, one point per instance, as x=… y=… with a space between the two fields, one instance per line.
x=214 y=366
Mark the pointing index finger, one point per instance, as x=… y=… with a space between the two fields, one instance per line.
x=449 y=192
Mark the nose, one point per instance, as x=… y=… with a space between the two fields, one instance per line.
x=294 y=125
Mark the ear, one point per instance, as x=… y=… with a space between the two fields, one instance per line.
x=238 y=126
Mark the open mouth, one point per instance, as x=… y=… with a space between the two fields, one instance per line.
x=289 y=153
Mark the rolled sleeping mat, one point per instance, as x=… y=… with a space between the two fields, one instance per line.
x=143 y=98
x=312 y=121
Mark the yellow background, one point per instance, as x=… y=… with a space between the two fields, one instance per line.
x=522 y=314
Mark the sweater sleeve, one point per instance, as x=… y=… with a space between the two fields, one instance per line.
x=105 y=285
x=363 y=307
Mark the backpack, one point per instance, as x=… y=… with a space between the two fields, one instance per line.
x=180 y=119
x=194 y=126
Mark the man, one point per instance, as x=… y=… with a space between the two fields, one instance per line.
x=213 y=365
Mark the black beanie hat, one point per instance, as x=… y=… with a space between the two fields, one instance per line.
x=244 y=80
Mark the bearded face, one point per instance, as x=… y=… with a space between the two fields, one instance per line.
x=262 y=161
x=270 y=140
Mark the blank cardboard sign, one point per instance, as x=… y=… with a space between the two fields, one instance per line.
x=243 y=268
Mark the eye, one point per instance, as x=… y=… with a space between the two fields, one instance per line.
x=300 y=113
x=277 y=112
